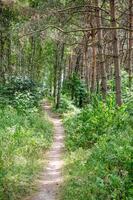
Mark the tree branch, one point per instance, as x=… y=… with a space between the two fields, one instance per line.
x=77 y=30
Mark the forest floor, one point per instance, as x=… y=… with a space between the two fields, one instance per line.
x=51 y=178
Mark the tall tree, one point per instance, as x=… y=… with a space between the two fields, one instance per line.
x=115 y=53
x=93 y=78
x=101 y=52
x=130 y=42
x=59 y=75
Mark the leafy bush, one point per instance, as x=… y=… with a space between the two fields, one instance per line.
x=23 y=139
x=20 y=92
x=84 y=129
x=22 y=101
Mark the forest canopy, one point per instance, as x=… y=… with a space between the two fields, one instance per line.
x=56 y=41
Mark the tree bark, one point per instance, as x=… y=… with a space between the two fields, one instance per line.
x=86 y=63
x=55 y=73
x=116 y=54
x=93 y=80
x=60 y=75
x=130 y=42
x=101 y=52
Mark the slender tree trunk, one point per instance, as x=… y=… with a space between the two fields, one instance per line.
x=1 y=58
x=64 y=70
x=98 y=71
x=31 y=68
x=69 y=66
x=130 y=43
x=2 y=40
x=78 y=61
x=55 y=73
x=81 y=67
x=116 y=54
x=60 y=75
x=93 y=80
x=101 y=52
x=86 y=64
x=9 y=53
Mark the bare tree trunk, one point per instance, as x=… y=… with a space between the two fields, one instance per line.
x=69 y=66
x=31 y=68
x=93 y=80
x=55 y=73
x=2 y=75
x=78 y=61
x=2 y=39
x=9 y=53
x=98 y=72
x=60 y=75
x=86 y=64
x=130 y=42
x=116 y=54
x=101 y=52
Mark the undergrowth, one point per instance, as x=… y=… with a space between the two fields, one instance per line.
x=25 y=134
x=23 y=140
x=99 y=144
x=66 y=106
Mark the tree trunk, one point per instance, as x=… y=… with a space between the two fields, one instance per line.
x=86 y=64
x=9 y=53
x=55 y=73
x=93 y=80
x=130 y=42
x=32 y=55
x=2 y=39
x=116 y=54
x=60 y=75
x=101 y=52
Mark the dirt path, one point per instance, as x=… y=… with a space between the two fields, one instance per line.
x=52 y=178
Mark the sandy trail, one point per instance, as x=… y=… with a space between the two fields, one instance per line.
x=51 y=179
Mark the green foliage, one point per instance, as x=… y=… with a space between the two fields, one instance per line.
x=105 y=172
x=23 y=138
x=99 y=161
x=66 y=105
x=84 y=129
x=77 y=89
x=22 y=101
x=24 y=135
x=110 y=166
x=20 y=92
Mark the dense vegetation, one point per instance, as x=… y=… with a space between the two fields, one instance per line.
x=25 y=134
x=23 y=139
x=99 y=163
x=79 y=54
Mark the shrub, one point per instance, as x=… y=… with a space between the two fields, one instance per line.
x=84 y=129
x=20 y=92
